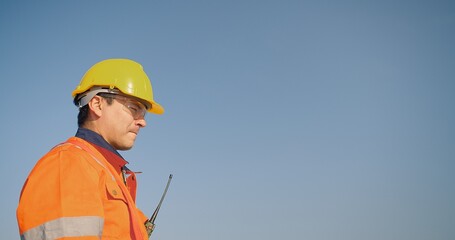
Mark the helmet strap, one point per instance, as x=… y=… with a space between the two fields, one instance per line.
x=85 y=97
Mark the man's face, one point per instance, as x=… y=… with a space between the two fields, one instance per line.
x=122 y=121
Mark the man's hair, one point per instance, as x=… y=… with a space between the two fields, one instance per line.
x=83 y=111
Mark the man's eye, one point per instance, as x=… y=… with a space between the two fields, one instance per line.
x=133 y=108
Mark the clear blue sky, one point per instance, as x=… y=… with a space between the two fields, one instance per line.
x=297 y=120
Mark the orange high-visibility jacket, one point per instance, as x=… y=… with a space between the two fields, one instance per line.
x=74 y=193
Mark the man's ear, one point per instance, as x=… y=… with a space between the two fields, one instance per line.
x=96 y=105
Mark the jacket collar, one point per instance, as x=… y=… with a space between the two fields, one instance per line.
x=96 y=139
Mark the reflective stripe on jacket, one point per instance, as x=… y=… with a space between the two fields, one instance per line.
x=74 y=193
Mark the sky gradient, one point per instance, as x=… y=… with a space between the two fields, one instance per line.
x=296 y=120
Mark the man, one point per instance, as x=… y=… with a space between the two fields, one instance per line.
x=82 y=189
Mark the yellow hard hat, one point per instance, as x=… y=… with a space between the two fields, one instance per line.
x=124 y=75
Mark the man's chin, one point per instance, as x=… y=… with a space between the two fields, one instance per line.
x=125 y=147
